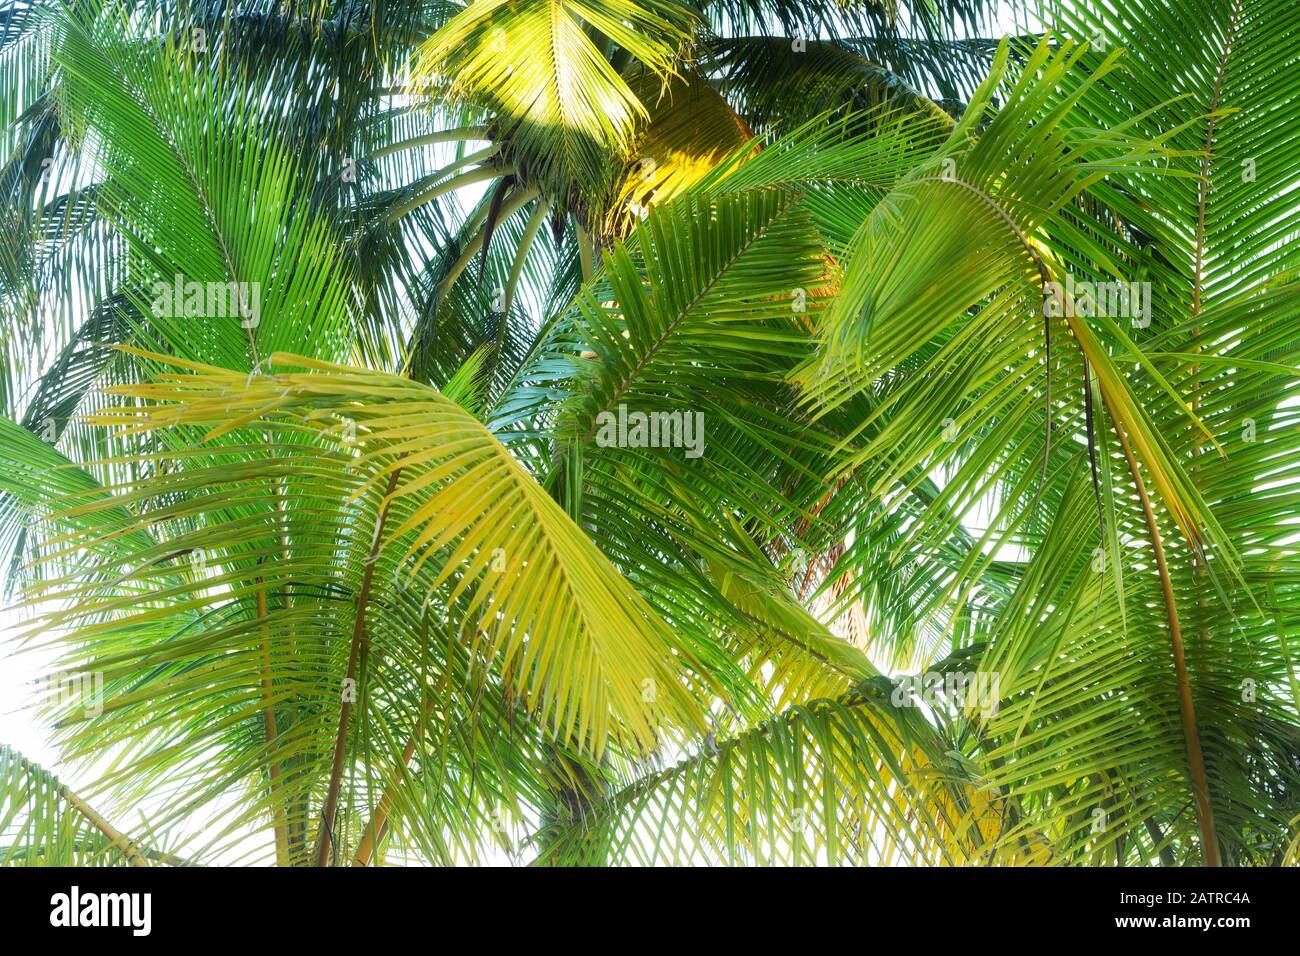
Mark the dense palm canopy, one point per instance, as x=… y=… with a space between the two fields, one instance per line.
x=357 y=577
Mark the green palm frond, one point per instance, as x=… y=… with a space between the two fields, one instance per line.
x=629 y=387
x=43 y=823
x=444 y=494
x=832 y=782
x=781 y=87
x=198 y=199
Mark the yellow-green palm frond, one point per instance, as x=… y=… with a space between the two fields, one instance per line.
x=543 y=68
x=582 y=652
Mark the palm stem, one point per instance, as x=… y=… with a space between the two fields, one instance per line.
x=467 y=256
x=444 y=136
x=375 y=829
x=586 y=255
x=456 y=182
x=118 y=839
x=1191 y=735
x=325 y=842
x=525 y=244
x=268 y=720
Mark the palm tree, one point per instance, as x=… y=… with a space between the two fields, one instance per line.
x=326 y=324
